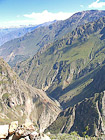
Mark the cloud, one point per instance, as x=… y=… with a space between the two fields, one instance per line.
x=81 y=6
x=97 y=4
x=46 y=16
x=35 y=18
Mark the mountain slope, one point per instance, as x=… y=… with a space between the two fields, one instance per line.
x=19 y=101
x=32 y=42
x=69 y=65
x=86 y=118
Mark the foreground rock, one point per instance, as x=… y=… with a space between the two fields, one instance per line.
x=23 y=132
x=13 y=127
x=35 y=136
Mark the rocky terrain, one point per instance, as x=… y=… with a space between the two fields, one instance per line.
x=27 y=131
x=24 y=132
x=19 y=101
x=86 y=117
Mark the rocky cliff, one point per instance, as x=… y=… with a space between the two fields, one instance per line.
x=86 y=117
x=19 y=101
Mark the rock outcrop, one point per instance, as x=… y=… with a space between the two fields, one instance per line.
x=20 y=101
x=23 y=132
x=13 y=127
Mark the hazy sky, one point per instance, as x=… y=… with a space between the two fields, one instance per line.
x=24 y=12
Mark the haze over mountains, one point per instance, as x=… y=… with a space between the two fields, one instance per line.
x=28 y=45
x=66 y=60
x=7 y=34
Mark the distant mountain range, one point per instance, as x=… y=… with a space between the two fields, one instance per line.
x=7 y=34
x=19 y=49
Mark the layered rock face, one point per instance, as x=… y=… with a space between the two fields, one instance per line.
x=86 y=117
x=19 y=101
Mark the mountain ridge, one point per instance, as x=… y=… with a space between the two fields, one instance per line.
x=19 y=48
x=8 y=34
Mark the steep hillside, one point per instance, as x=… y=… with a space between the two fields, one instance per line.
x=86 y=117
x=69 y=65
x=21 y=48
x=19 y=101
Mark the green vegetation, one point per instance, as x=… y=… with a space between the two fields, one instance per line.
x=5 y=96
x=71 y=136
x=86 y=131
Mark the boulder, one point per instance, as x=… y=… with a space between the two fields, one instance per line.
x=33 y=135
x=10 y=137
x=18 y=134
x=27 y=138
x=45 y=137
x=13 y=126
x=4 y=131
x=21 y=132
x=29 y=126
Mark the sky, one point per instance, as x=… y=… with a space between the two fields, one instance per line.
x=25 y=12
